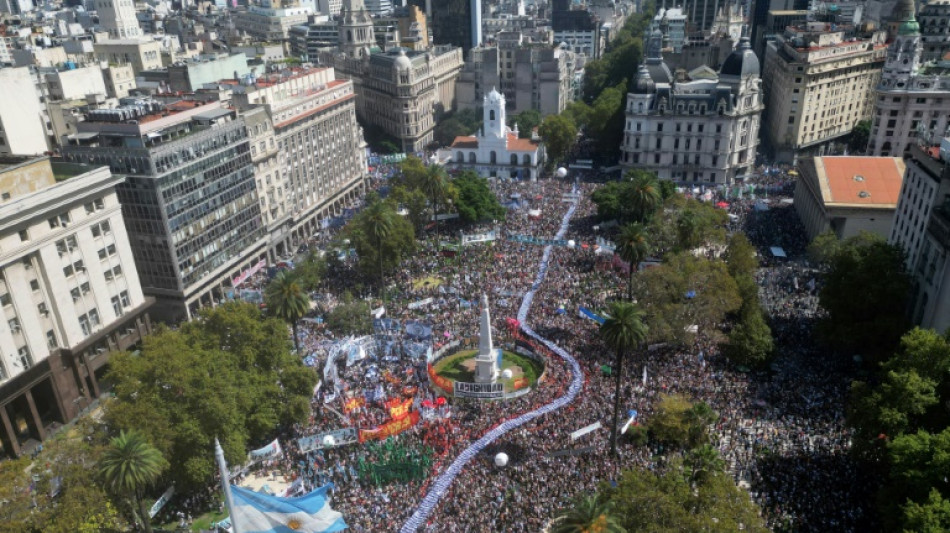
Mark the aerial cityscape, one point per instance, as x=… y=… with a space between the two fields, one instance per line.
x=528 y=266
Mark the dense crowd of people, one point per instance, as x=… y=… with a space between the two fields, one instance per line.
x=781 y=432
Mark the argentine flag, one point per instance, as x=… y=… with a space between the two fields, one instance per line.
x=253 y=512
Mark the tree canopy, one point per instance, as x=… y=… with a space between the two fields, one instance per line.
x=381 y=237
x=865 y=294
x=675 y=500
x=901 y=421
x=559 y=133
x=685 y=291
x=229 y=374
x=526 y=121
x=476 y=202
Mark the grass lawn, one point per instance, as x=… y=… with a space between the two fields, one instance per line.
x=454 y=367
x=430 y=282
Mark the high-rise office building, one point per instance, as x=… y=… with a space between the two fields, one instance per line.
x=189 y=200
x=454 y=22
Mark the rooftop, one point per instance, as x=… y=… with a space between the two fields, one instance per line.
x=863 y=181
x=514 y=143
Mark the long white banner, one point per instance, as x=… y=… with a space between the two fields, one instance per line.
x=585 y=430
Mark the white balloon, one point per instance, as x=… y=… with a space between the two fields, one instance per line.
x=329 y=440
x=506 y=373
x=571 y=244
x=501 y=459
x=561 y=172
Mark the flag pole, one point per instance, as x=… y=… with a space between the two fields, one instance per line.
x=225 y=483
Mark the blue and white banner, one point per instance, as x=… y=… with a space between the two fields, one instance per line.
x=271 y=450
x=254 y=512
x=587 y=313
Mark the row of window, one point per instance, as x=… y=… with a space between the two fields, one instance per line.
x=62 y=220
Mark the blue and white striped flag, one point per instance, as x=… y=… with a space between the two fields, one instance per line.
x=254 y=512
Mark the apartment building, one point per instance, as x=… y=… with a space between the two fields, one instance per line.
x=69 y=293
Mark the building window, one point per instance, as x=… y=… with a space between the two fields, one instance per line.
x=84 y=325
x=5 y=299
x=471 y=157
x=14 y=324
x=124 y=298
x=116 y=306
x=43 y=310
x=59 y=221
x=34 y=285
x=25 y=360
x=24 y=235
x=493 y=158
x=51 y=340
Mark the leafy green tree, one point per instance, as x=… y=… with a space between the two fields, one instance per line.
x=448 y=129
x=633 y=247
x=891 y=408
x=311 y=271
x=381 y=238
x=606 y=120
x=350 y=317
x=476 y=202
x=686 y=291
x=286 y=299
x=415 y=203
x=740 y=256
x=933 y=516
x=919 y=462
x=667 y=500
x=589 y=514
x=559 y=134
x=865 y=295
x=229 y=374
x=700 y=224
x=823 y=248
x=750 y=341
x=680 y=423
x=579 y=113
x=859 y=137
x=526 y=121
x=622 y=332
x=129 y=466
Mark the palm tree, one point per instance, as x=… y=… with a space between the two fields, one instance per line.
x=287 y=299
x=622 y=332
x=703 y=461
x=645 y=196
x=633 y=247
x=588 y=515
x=378 y=220
x=435 y=185
x=128 y=467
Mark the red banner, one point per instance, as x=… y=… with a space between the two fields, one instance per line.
x=353 y=403
x=440 y=381
x=393 y=427
x=398 y=410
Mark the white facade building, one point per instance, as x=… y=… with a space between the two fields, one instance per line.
x=496 y=151
x=308 y=152
x=703 y=130
x=917 y=198
x=69 y=292
x=913 y=99
x=21 y=114
x=118 y=18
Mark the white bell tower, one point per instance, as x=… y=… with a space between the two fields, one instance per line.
x=493 y=109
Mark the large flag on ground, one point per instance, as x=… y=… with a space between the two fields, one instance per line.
x=254 y=512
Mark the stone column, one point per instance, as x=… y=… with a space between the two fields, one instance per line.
x=11 y=438
x=37 y=421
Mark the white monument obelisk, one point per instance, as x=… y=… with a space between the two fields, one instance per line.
x=486 y=362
